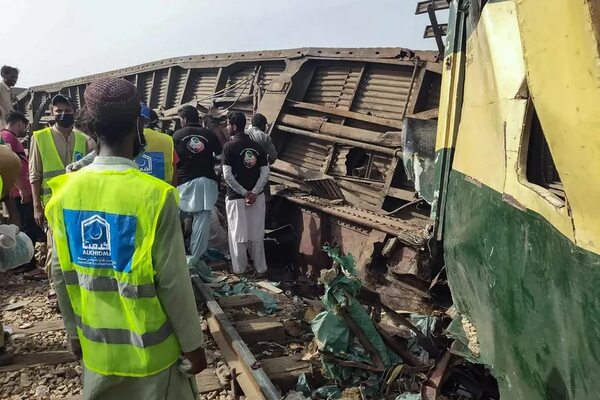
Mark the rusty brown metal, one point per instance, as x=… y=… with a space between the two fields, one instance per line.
x=337 y=120
x=431 y=387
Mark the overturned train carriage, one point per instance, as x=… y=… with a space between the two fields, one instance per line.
x=355 y=133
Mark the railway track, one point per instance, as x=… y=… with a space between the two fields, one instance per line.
x=264 y=360
x=246 y=370
x=241 y=330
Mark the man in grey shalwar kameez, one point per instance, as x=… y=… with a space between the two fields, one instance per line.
x=197 y=148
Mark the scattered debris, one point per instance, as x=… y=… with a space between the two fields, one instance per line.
x=16 y=305
x=293 y=395
x=269 y=286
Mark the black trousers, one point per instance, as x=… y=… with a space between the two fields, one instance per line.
x=28 y=225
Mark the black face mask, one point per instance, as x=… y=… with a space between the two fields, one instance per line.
x=65 y=120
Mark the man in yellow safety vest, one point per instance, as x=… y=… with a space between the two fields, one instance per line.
x=119 y=264
x=51 y=149
x=158 y=159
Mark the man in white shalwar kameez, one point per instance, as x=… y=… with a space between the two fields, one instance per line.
x=246 y=171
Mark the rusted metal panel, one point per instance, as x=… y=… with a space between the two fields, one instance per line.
x=313 y=235
x=333 y=85
x=241 y=81
x=201 y=85
x=383 y=92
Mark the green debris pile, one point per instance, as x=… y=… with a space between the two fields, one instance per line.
x=354 y=352
x=220 y=288
x=328 y=392
x=225 y=289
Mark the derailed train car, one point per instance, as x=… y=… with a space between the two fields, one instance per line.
x=351 y=170
x=517 y=155
x=480 y=168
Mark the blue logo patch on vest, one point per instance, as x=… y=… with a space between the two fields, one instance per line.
x=99 y=239
x=153 y=163
x=77 y=155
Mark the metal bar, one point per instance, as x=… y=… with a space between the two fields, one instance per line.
x=185 y=87
x=40 y=112
x=402 y=233
x=333 y=139
x=218 y=80
x=80 y=92
x=410 y=88
x=345 y=113
x=153 y=91
x=247 y=360
x=401 y=320
x=420 y=95
x=389 y=177
x=398 y=349
x=437 y=4
x=437 y=31
x=170 y=87
x=346 y=132
x=399 y=193
x=429 y=31
x=363 y=339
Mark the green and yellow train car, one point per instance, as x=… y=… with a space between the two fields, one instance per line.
x=518 y=207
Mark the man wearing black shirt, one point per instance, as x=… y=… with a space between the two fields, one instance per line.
x=196 y=148
x=246 y=171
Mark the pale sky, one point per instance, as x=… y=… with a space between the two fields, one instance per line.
x=53 y=40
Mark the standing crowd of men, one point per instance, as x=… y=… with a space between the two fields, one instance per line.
x=109 y=203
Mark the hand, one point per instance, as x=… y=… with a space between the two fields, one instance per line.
x=75 y=348
x=198 y=360
x=38 y=215
x=250 y=198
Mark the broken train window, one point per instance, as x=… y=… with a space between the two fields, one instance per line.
x=540 y=167
x=358 y=163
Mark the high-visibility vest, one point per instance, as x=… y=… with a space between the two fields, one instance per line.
x=104 y=224
x=51 y=163
x=157 y=159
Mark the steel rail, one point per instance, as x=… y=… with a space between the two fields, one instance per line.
x=252 y=378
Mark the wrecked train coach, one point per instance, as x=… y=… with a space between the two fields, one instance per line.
x=355 y=134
